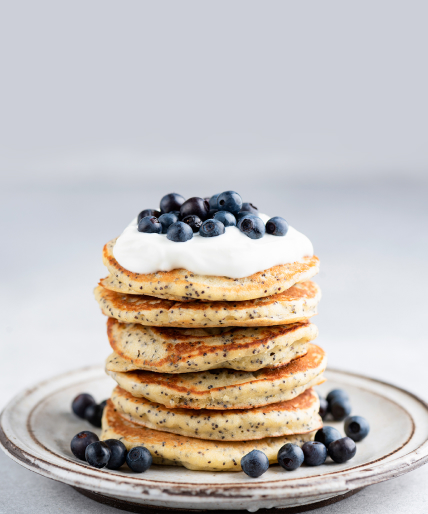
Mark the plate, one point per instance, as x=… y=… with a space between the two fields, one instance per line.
x=36 y=428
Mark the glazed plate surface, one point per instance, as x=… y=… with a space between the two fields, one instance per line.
x=37 y=426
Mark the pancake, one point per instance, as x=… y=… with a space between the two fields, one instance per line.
x=227 y=389
x=184 y=283
x=296 y=304
x=296 y=416
x=192 y=453
x=182 y=350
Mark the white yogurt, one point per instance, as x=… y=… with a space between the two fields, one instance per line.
x=233 y=254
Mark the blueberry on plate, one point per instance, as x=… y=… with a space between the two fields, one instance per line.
x=315 y=453
x=252 y=226
x=166 y=220
x=327 y=435
x=255 y=463
x=193 y=221
x=225 y=217
x=290 y=456
x=81 y=402
x=211 y=228
x=171 y=202
x=357 y=428
x=249 y=207
x=97 y=454
x=229 y=201
x=213 y=203
x=148 y=212
x=340 y=408
x=117 y=455
x=150 y=225
x=93 y=414
x=139 y=459
x=197 y=206
x=277 y=226
x=179 y=232
x=323 y=407
x=342 y=450
x=80 y=441
x=337 y=393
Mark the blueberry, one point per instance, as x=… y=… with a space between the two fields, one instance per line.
x=171 y=202
x=342 y=449
x=277 y=226
x=213 y=203
x=179 y=232
x=118 y=453
x=80 y=441
x=252 y=226
x=225 y=217
x=229 y=201
x=315 y=453
x=290 y=456
x=97 y=454
x=210 y=215
x=336 y=393
x=166 y=220
x=139 y=459
x=148 y=212
x=255 y=463
x=195 y=205
x=193 y=221
x=249 y=207
x=93 y=414
x=327 y=435
x=323 y=407
x=340 y=408
x=150 y=224
x=80 y=403
x=211 y=228
x=242 y=214
x=356 y=427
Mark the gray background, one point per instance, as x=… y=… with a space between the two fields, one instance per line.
x=316 y=111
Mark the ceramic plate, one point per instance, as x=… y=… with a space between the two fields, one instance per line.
x=37 y=426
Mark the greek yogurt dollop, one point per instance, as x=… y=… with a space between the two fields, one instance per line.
x=232 y=254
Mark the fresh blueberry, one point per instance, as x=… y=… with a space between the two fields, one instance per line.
x=81 y=402
x=243 y=214
x=277 y=226
x=357 y=428
x=148 y=212
x=213 y=203
x=210 y=215
x=315 y=453
x=97 y=454
x=166 y=220
x=249 y=207
x=179 y=232
x=193 y=221
x=225 y=217
x=211 y=228
x=93 y=414
x=337 y=393
x=139 y=459
x=197 y=206
x=342 y=449
x=150 y=224
x=80 y=441
x=252 y=226
x=323 y=407
x=118 y=453
x=340 y=408
x=290 y=456
x=255 y=463
x=171 y=202
x=229 y=201
x=327 y=435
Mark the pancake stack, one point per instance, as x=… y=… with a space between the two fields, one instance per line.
x=209 y=368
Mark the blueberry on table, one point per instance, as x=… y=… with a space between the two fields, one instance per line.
x=211 y=228
x=229 y=201
x=179 y=232
x=171 y=202
x=290 y=456
x=213 y=203
x=342 y=450
x=81 y=402
x=80 y=441
x=327 y=435
x=193 y=221
x=340 y=408
x=150 y=225
x=148 y=212
x=277 y=226
x=255 y=463
x=166 y=220
x=252 y=226
x=97 y=454
x=315 y=453
x=93 y=414
x=225 y=217
x=249 y=207
x=357 y=428
x=323 y=407
x=197 y=206
x=139 y=459
x=118 y=453
x=337 y=393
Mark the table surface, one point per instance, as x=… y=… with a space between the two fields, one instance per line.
x=371 y=238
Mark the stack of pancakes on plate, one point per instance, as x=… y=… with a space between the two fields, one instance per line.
x=209 y=368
